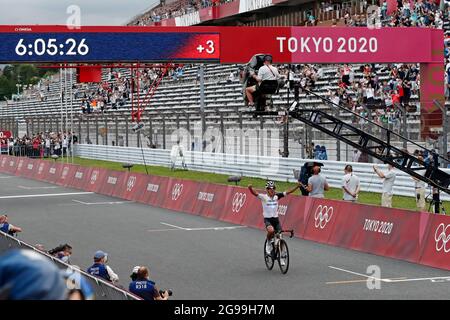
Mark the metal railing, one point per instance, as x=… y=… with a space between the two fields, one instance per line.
x=102 y=289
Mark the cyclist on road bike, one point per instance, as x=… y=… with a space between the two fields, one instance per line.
x=269 y=203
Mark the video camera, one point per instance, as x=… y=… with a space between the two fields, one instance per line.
x=306 y=172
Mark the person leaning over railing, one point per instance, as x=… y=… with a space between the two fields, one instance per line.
x=6 y=227
x=100 y=269
x=143 y=287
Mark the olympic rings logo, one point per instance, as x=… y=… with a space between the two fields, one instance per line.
x=176 y=191
x=130 y=183
x=238 y=201
x=65 y=172
x=322 y=216
x=441 y=234
x=94 y=176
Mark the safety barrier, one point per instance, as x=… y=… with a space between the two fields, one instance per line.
x=418 y=237
x=275 y=168
x=102 y=289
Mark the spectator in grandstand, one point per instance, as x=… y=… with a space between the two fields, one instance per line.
x=100 y=269
x=6 y=227
x=388 y=184
x=317 y=184
x=323 y=153
x=350 y=185
x=143 y=287
x=231 y=78
x=28 y=275
x=266 y=72
x=317 y=152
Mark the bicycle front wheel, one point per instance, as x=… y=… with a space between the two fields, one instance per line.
x=268 y=258
x=283 y=257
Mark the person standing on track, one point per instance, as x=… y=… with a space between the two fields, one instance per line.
x=269 y=203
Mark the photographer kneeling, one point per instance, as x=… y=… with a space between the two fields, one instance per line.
x=145 y=288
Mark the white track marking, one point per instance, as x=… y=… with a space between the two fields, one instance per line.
x=195 y=229
x=45 y=195
x=94 y=203
x=432 y=279
x=7 y=177
x=356 y=273
x=394 y=280
x=215 y=228
x=171 y=225
x=158 y=230
x=36 y=188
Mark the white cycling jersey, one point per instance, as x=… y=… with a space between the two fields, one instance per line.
x=270 y=205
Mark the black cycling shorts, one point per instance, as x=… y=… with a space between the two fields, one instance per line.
x=274 y=222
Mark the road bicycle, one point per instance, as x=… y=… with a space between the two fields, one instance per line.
x=280 y=252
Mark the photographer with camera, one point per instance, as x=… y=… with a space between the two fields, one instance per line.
x=317 y=184
x=143 y=287
x=6 y=227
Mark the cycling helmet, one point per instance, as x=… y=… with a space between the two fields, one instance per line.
x=270 y=185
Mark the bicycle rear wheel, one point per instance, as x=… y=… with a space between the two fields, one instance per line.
x=283 y=257
x=268 y=258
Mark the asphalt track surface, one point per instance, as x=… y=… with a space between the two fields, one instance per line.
x=200 y=258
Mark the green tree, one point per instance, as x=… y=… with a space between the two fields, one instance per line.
x=23 y=74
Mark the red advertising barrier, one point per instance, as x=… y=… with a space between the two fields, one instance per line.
x=66 y=175
x=378 y=230
x=12 y=165
x=3 y=163
x=180 y=194
x=132 y=186
x=80 y=177
x=154 y=191
x=30 y=167
x=416 y=237
x=95 y=180
x=113 y=179
x=42 y=170
x=435 y=245
x=20 y=166
x=207 y=200
x=53 y=172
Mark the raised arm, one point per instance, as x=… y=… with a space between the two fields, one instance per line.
x=293 y=189
x=253 y=192
x=378 y=172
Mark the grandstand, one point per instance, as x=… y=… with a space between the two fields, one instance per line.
x=178 y=100
x=101 y=115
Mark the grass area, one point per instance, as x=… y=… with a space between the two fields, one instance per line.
x=334 y=193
